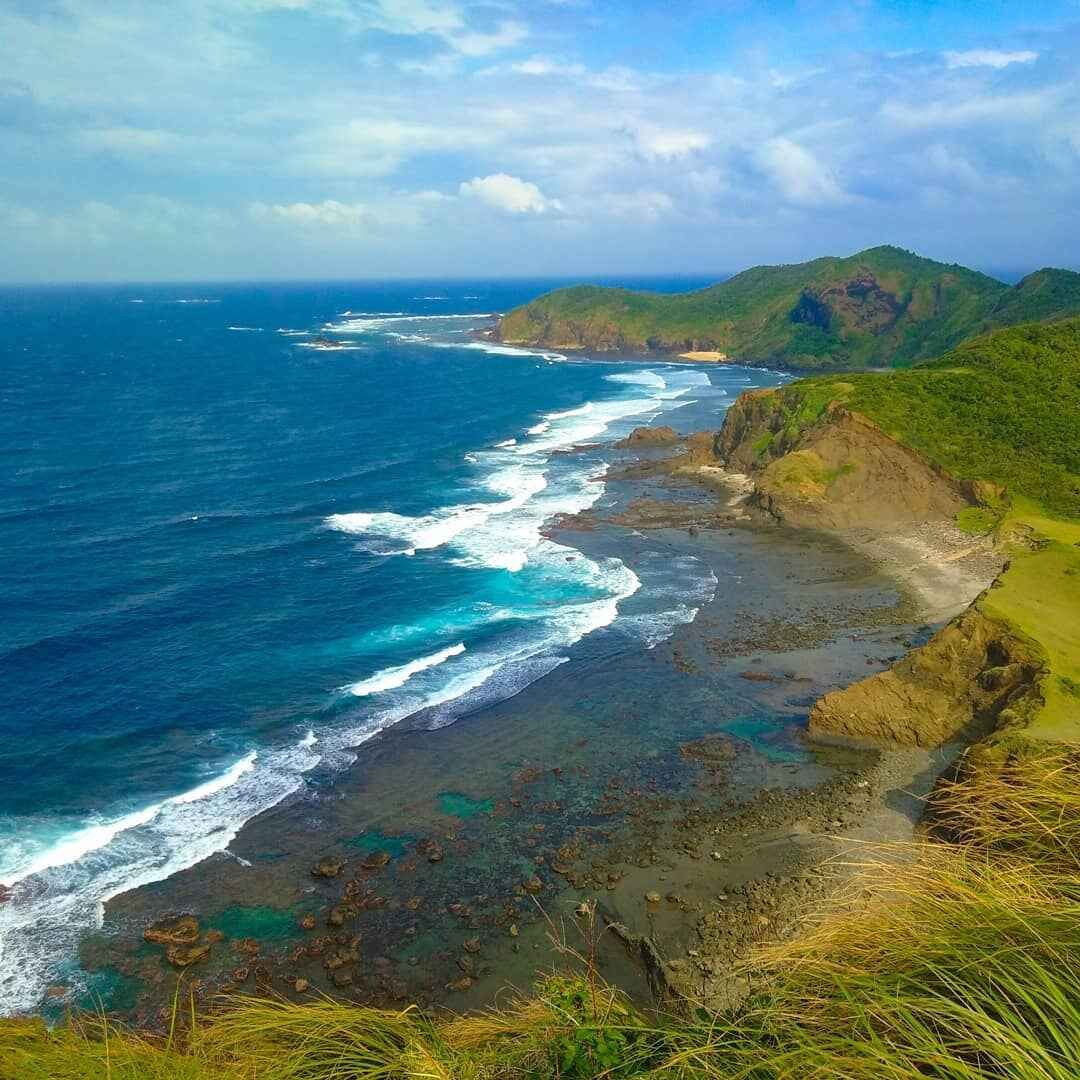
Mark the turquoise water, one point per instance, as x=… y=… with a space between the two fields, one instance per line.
x=232 y=554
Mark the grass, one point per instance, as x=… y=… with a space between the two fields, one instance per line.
x=955 y=960
x=1039 y=597
x=977 y=520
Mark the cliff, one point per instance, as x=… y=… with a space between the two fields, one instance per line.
x=840 y=472
x=935 y=449
x=880 y=307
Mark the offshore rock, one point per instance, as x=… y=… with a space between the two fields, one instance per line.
x=643 y=437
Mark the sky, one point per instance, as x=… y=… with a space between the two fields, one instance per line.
x=157 y=140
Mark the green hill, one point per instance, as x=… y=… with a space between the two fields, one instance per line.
x=880 y=307
x=1003 y=407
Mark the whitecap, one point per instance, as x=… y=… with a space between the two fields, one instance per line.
x=253 y=329
x=59 y=891
x=393 y=677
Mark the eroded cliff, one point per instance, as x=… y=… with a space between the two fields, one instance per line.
x=838 y=471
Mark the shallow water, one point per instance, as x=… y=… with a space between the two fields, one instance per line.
x=233 y=554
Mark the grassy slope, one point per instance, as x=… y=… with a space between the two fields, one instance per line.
x=1004 y=408
x=751 y=315
x=1040 y=595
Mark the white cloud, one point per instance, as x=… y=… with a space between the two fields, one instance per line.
x=327 y=212
x=473 y=43
x=509 y=193
x=671 y=145
x=378 y=145
x=993 y=58
x=544 y=67
x=799 y=175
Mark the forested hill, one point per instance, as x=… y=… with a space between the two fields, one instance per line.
x=881 y=307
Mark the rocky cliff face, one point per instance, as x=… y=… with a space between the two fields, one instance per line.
x=841 y=471
x=973 y=676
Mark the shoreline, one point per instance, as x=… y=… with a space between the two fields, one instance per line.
x=670 y=831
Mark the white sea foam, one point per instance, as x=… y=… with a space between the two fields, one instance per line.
x=318 y=346
x=640 y=378
x=505 y=443
x=293 y=333
x=356 y=322
x=393 y=677
x=253 y=329
x=504 y=534
x=61 y=891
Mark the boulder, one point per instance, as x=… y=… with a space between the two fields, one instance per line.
x=328 y=867
x=182 y=931
x=645 y=437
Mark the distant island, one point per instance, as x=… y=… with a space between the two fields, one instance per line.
x=883 y=307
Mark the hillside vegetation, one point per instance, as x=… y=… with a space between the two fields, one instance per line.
x=880 y=307
x=1004 y=408
x=1001 y=414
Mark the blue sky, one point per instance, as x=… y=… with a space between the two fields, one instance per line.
x=252 y=139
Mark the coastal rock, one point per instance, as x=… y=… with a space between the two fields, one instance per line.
x=974 y=672
x=710 y=749
x=182 y=931
x=328 y=867
x=183 y=956
x=643 y=437
x=432 y=849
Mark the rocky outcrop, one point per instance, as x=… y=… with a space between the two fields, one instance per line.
x=973 y=676
x=841 y=471
x=847 y=472
x=641 y=438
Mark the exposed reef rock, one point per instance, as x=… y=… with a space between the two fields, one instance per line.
x=972 y=676
x=643 y=437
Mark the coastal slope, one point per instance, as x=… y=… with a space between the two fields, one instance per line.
x=987 y=438
x=880 y=307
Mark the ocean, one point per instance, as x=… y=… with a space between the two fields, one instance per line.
x=232 y=553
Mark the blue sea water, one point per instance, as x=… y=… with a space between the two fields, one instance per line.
x=231 y=554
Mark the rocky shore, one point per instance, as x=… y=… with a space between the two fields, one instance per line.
x=633 y=808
